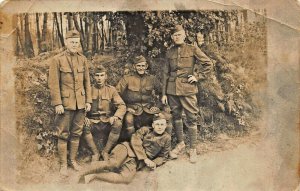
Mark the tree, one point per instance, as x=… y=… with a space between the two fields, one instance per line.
x=59 y=30
x=28 y=42
x=38 y=32
x=44 y=33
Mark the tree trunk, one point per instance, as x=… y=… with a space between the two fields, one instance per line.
x=70 y=21
x=20 y=39
x=61 y=25
x=38 y=32
x=90 y=36
x=82 y=40
x=58 y=30
x=44 y=33
x=28 y=42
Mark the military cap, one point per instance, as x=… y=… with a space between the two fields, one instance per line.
x=72 y=34
x=177 y=28
x=159 y=116
x=139 y=59
x=100 y=69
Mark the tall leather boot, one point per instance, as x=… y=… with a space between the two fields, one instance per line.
x=62 y=154
x=91 y=144
x=74 y=143
x=111 y=142
x=193 y=143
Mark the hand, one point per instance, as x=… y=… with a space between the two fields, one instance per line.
x=113 y=119
x=87 y=107
x=130 y=110
x=164 y=100
x=192 y=79
x=59 y=109
x=150 y=163
x=87 y=122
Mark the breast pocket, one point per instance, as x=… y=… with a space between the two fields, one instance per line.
x=66 y=74
x=105 y=104
x=186 y=59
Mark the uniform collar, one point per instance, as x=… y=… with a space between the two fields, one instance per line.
x=70 y=53
x=180 y=45
x=98 y=87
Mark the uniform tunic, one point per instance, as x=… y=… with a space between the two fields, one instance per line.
x=69 y=84
x=180 y=63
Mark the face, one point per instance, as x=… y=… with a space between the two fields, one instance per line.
x=100 y=78
x=200 y=39
x=72 y=44
x=159 y=126
x=141 y=67
x=179 y=37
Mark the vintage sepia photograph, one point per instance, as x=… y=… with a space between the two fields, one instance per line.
x=159 y=99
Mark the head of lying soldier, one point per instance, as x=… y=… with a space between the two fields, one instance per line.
x=159 y=123
x=140 y=65
x=100 y=75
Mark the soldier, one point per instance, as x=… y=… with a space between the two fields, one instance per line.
x=148 y=148
x=137 y=89
x=70 y=90
x=180 y=88
x=108 y=110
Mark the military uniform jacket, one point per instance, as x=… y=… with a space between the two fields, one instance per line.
x=180 y=63
x=137 y=91
x=106 y=102
x=69 y=81
x=145 y=143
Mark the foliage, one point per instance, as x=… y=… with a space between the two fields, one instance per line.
x=225 y=99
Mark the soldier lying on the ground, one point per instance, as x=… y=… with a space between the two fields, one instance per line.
x=107 y=111
x=148 y=148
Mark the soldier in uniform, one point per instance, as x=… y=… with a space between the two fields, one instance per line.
x=180 y=88
x=108 y=110
x=137 y=91
x=70 y=90
x=148 y=148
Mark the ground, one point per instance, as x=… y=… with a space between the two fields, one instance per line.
x=217 y=165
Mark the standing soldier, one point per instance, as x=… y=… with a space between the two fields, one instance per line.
x=137 y=92
x=180 y=88
x=70 y=89
x=108 y=110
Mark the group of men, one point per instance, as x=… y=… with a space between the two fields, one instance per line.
x=129 y=107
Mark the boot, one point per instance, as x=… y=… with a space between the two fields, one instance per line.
x=91 y=144
x=62 y=154
x=74 y=143
x=111 y=142
x=96 y=167
x=177 y=150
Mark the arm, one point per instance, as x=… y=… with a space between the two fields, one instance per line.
x=54 y=83
x=165 y=77
x=87 y=83
x=122 y=86
x=204 y=61
x=164 y=153
x=137 y=143
x=119 y=104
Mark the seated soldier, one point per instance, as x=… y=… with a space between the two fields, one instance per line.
x=105 y=99
x=148 y=148
x=137 y=91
